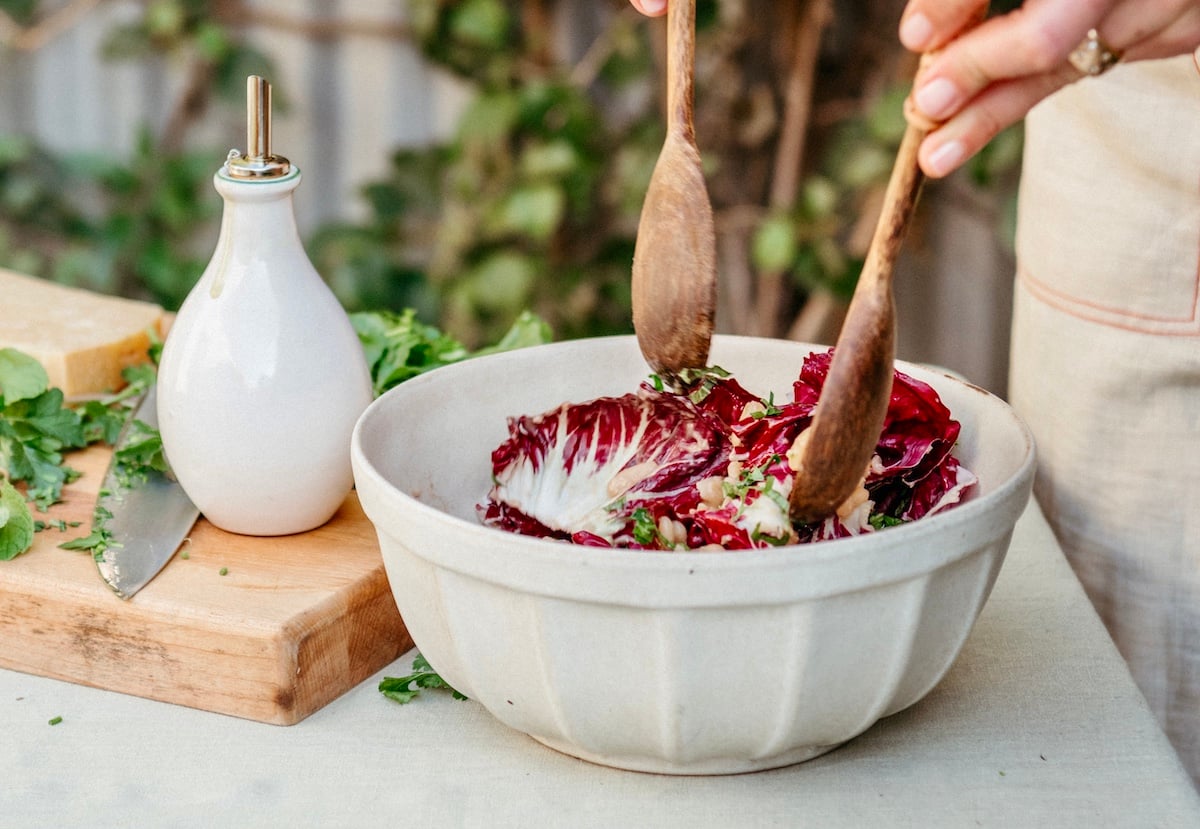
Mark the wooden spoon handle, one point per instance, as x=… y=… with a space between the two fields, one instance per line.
x=899 y=204
x=835 y=450
x=681 y=59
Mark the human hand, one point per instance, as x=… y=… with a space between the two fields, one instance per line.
x=989 y=76
x=650 y=8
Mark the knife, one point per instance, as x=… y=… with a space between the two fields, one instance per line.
x=145 y=517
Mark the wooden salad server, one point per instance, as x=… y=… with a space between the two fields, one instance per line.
x=675 y=259
x=834 y=451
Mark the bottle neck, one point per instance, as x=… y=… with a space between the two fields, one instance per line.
x=258 y=214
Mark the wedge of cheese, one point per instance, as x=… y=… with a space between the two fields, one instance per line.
x=83 y=339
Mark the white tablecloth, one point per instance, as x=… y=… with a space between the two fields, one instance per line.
x=1037 y=724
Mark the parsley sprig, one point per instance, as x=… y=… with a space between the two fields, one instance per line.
x=37 y=428
x=404 y=689
x=399 y=346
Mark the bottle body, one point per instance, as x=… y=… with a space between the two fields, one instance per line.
x=262 y=377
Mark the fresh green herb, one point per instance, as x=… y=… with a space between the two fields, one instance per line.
x=645 y=529
x=55 y=720
x=185 y=555
x=696 y=383
x=769 y=408
x=773 y=540
x=55 y=524
x=699 y=382
x=224 y=571
x=407 y=688
x=140 y=454
x=103 y=419
x=98 y=540
x=753 y=477
x=881 y=520
x=769 y=491
x=35 y=429
x=399 y=346
x=16 y=522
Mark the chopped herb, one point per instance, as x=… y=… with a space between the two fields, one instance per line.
x=55 y=720
x=881 y=520
x=55 y=524
x=645 y=529
x=755 y=477
x=696 y=383
x=140 y=454
x=699 y=382
x=773 y=540
x=405 y=689
x=769 y=408
x=769 y=491
x=98 y=540
x=224 y=571
x=185 y=555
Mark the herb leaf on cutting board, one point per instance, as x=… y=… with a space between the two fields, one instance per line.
x=37 y=427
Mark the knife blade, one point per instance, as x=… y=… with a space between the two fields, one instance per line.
x=145 y=517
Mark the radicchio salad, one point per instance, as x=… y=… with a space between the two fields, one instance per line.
x=707 y=467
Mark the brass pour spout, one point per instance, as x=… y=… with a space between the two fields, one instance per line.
x=257 y=161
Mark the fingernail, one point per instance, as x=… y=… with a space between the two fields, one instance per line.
x=938 y=98
x=946 y=158
x=915 y=31
x=653 y=7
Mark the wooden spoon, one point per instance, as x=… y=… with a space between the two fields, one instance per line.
x=834 y=451
x=675 y=259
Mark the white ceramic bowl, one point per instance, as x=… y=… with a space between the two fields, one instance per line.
x=692 y=663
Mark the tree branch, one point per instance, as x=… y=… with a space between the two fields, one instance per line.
x=789 y=156
x=31 y=38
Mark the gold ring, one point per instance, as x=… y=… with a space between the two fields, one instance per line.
x=1093 y=56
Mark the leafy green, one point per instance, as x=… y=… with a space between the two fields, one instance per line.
x=21 y=376
x=16 y=522
x=399 y=346
x=404 y=689
x=141 y=452
x=881 y=521
x=96 y=542
x=645 y=529
x=37 y=427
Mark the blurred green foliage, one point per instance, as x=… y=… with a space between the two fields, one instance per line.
x=532 y=203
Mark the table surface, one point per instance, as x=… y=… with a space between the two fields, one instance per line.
x=1038 y=723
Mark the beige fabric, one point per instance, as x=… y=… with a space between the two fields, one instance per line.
x=1106 y=361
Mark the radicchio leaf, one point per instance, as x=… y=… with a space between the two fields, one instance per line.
x=707 y=467
x=585 y=469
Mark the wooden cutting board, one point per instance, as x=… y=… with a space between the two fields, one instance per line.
x=295 y=621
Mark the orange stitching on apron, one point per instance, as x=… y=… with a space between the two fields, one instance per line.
x=1075 y=307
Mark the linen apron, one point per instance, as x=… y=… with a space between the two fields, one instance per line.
x=1105 y=363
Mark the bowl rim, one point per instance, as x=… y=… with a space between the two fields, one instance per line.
x=491 y=545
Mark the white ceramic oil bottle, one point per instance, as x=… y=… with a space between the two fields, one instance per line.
x=262 y=377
